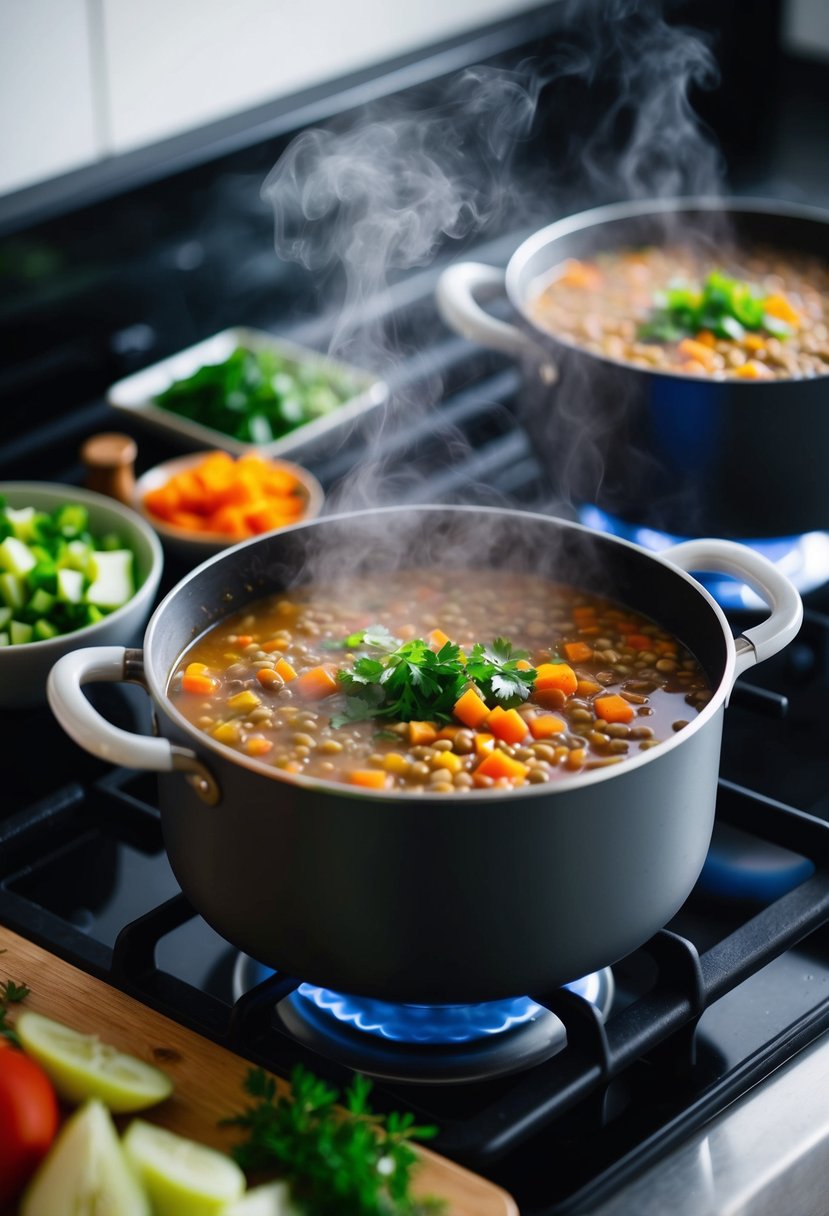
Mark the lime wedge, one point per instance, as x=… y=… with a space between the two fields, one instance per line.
x=85 y=1172
x=181 y=1177
x=80 y=1066
x=273 y=1199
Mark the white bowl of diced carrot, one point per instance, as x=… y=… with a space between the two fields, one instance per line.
x=206 y=501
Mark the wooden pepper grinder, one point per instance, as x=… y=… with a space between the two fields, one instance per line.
x=110 y=465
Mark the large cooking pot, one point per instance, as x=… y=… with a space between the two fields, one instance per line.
x=687 y=455
x=418 y=897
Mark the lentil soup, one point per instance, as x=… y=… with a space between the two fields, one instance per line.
x=581 y=683
x=745 y=314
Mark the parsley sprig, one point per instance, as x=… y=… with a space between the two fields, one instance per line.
x=339 y=1162
x=10 y=994
x=410 y=681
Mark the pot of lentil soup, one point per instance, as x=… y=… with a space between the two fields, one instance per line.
x=436 y=754
x=677 y=357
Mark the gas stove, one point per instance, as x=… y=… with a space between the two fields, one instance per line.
x=564 y=1098
x=689 y=1077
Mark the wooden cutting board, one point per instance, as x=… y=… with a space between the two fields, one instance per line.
x=207 y=1078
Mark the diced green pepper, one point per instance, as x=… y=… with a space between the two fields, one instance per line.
x=15 y=556
x=41 y=602
x=44 y=630
x=112 y=583
x=12 y=590
x=20 y=633
x=70 y=586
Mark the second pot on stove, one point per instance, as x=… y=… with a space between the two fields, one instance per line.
x=687 y=455
x=425 y=898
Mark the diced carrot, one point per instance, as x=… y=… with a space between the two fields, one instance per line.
x=578 y=652
x=706 y=338
x=613 y=708
x=447 y=732
x=258 y=747
x=699 y=352
x=506 y=724
x=586 y=688
x=523 y=665
x=752 y=371
x=275 y=644
x=196 y=680
x=499 y=764
x=544 y=725
x=555 y=675
x=369 y=778
x=584 y=614
x=284 y=669
x=639 y=641
x=484 y=743
x=422 y=733
x=753 y=342
x=664 y=647
x=580 y=274
x=549 y=698
x=470 y=708
x=244 y=639
x=693 y=367
x=316 y=683
x=779 y=306
x=576 y=757
x=438 y=639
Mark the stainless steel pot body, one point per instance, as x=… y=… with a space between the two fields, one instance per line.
x=423 y=898
x=686 y=455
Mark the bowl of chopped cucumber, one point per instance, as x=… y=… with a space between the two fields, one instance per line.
x=76 y=568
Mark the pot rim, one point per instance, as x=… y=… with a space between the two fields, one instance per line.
x=595 y=217
x=563 y=784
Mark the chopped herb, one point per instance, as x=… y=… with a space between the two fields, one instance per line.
x=724 y=306
x=10 y=994
x=339 y=1163
x=410 y=681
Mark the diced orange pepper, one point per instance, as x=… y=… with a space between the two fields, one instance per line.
x=369 y=778
x=555 y=675
x=752 y=371
x=506 y=724
x=544 y=725
x=484 y=743
x=698 y=352
x=422 y=733
x=613 y=708
x=438 y=639
x=778 y=306
x=275 y=644
x=447 y=732
x=706 y=338
x=284 y=669
x=498 y=764
x=316 y=683
x=258 y=747
x=586 y=688
x=471 y=709
x=578 y=652
x=196 y=680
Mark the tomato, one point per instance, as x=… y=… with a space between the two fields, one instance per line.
x=28 y=1118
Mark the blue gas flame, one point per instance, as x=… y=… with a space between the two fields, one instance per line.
x=432 y=1024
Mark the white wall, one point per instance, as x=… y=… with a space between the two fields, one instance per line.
x=82 y=79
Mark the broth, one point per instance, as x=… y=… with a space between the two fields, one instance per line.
x=605 y=683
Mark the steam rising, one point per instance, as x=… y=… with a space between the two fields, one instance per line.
x=358 y=205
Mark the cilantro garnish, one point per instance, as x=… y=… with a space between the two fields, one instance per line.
x=412 y=682
x=10 y=994
x=337 y=1161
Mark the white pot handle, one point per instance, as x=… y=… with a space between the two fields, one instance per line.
x=92 y=732
x=457 y=295
x=728 y=557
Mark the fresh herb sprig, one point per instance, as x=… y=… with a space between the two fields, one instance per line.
x=724 y=306
x=339 y=1162
x=410 y=681
x=10 y=994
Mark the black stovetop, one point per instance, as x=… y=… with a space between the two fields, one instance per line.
x=737 y=983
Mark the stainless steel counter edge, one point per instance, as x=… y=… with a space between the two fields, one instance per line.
x=767 y=1155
